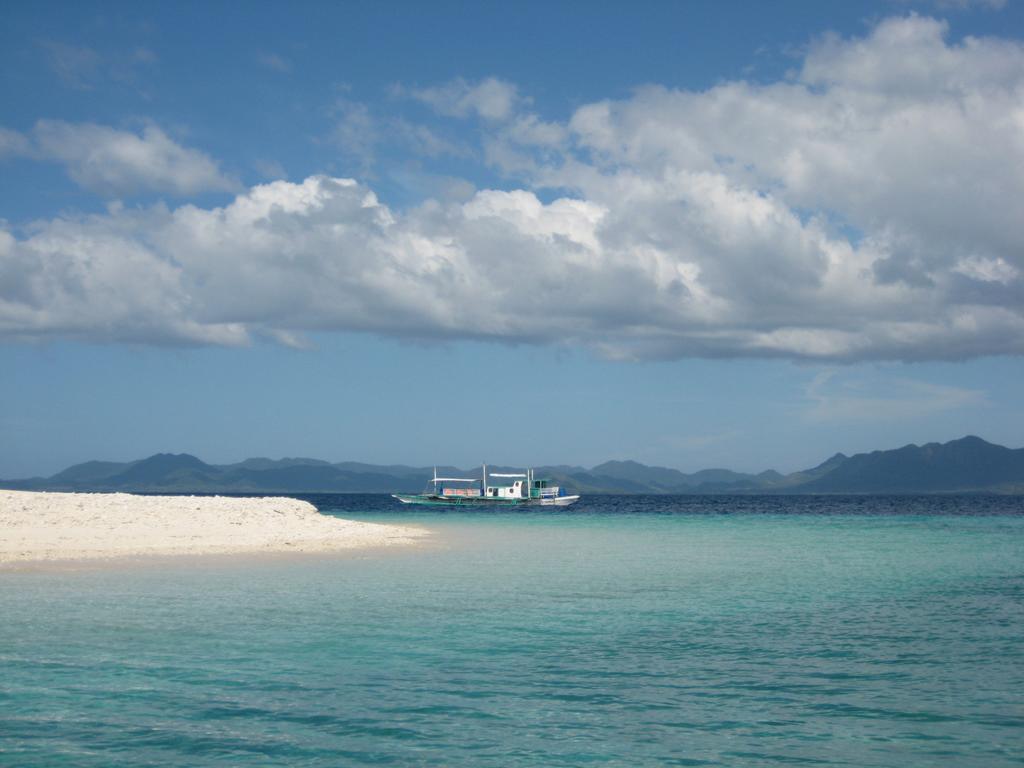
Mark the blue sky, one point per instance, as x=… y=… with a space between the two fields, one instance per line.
x=704 y=234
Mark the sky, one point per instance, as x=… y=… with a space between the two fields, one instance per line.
x=702 y=234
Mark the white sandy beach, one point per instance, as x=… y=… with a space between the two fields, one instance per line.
x=73 y=526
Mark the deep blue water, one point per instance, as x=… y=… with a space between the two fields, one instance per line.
x=629 y=631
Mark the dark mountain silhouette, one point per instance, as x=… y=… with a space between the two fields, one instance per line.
x=664 y=480
x=802 y=478
x=633 y=472
x=164 y=469
x=90 y=471
x=960 y=466
x=967 y=464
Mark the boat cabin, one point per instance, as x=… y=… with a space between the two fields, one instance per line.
x=528 y=487
x=523 y=486
x=543 y=489
x=518 y=489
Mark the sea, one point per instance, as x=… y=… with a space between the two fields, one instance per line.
x=623 y=631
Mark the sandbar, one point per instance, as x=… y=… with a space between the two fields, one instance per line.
x=38 y=526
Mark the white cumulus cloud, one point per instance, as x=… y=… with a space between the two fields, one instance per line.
x=115 y=162
x=866 y=208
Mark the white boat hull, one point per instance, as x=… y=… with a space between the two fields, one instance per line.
x=559 y=501
x=483 y=501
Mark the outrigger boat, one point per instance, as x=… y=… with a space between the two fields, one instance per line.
x=469 y=491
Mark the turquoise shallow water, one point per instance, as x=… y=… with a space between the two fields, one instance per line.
x=632 y=633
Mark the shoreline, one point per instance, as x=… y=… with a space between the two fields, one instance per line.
x=38 y=528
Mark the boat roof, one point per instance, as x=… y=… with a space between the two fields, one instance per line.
x=455 y=480
x=506 y=474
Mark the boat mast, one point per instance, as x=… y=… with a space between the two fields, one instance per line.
x=484 y=492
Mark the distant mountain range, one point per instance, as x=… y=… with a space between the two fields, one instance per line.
x=960 y=466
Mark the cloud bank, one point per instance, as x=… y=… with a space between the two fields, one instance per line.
x=866 y=208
